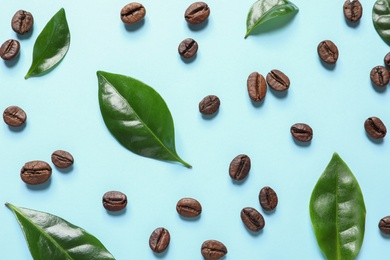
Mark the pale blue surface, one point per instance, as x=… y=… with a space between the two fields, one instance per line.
x=63 y=113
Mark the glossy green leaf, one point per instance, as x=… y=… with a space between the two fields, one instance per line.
x=338 y=212
x=51 y=45
x=51 y=237
x=266 y=10
x=137 y=117
x=381 y=19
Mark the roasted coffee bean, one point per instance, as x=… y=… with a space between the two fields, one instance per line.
x=22 y=22
x=197 y=13
x=159 y=240
x=380 y=76
x=387 y=59
x=240 y=167
x=209 y=105
x=188 y=207
x=268 y=198
x=114 y=200
x=328 y=51
x=252 y=219
x=14 y=116
x=277 y=80
x=9 y=49
x=213 y=250
x=132 y=13
x=301 y=132
x=62 y=159
x=257 y=87
x=353 y=10
x=35 y=172
x=375 y=127
x=384 y=225
x=188 y=48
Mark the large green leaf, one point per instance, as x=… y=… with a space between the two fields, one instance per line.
x=137 y=117
x=51 y=237
x=266 y=10
x=338 y=212
x=51 y=45
x=381 y=19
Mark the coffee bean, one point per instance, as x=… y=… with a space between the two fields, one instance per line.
x=197 y=12
x=301 y=132
x=380 y=76
x=62 y=159
x=14 y=116
x=328 y=51
x=384 y=225
x=209 y=105
x=132 y=13
x=159 y=240
x=277 y=80
x=257 y=87
x=387 y=59
x=252 y=219
x=9 y=49
x=375 y=127
x=22 y=22
x=35 y=172
x=240 y=167
x=188 y=48
x=114 y=200
x=353 y=10
x=213 y=250
x=188 y=207
x=268 y=198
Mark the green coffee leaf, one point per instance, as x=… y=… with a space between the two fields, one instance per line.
x=381 y=19
x=337 y=212
x=51 y=45
x=51 y=237
x=267 y=10
x=137 y=116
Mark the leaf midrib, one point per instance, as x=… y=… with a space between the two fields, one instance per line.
x=41 y=231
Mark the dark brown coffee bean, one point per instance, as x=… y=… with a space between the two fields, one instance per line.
x=268 y=198
x=197 y=12
x=328 y=51
x=213 y=250
x=240 y=167
x=114 y=200
x=257 y=87
x=9 y=49
x=14 y=116
x=159 y=240
x=188 y=207
x=301 y=132
x=384 y=225
x=375 y=127
x=188 y=48
x=35 y=172
x=277 y=80
x=387 y=59
x=22 y=22
x=380 y=76
x=252 y=219
x=62 y=159
x=209 y=105
x=353 y=10
x=132 y=13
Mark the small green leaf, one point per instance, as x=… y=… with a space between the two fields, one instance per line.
x=337 y=212
x=51 y=237
x=51 y=45
x=137 y=117
x=381 y=19
x=266 y=10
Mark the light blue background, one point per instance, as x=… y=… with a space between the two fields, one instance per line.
x=63 y=113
